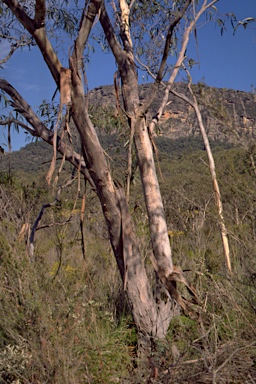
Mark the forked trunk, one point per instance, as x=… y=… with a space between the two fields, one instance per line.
x=153 y=199
x=158 y=228
x=149 y=321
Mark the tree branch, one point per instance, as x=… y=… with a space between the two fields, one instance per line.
x=125 y=26
x=39 y=35
x=20 y=123
x=218 y=200
x=41 y=131
x=179 y=62
x=108 y=29
x=40 y=10
x=160 y=73
x=14 y=46
x=86 y=24
x=21 y=15
x=168 y=40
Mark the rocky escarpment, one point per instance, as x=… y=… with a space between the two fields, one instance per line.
x=229 y=115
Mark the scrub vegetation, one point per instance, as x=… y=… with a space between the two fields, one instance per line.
x=65 y=317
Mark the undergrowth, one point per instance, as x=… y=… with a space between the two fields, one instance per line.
x=64 y=315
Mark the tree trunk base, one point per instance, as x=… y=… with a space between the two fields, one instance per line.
x=144 y=354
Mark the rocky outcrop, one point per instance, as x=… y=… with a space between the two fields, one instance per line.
x=229 y=115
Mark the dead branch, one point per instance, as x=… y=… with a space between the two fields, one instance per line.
x=232 y=354
x=39 y=217
x=178 y=64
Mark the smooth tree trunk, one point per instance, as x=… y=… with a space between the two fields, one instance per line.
x=115 y=209
x=218 y=201
x=217 y=195
x=152 y=195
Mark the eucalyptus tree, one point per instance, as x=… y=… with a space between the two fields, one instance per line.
x=150 y=36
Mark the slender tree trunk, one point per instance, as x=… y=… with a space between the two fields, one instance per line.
x=218 y=201
x=223 y=229
x=155 y=209
x=152 y=195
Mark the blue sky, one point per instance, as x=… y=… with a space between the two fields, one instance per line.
x=226 y=61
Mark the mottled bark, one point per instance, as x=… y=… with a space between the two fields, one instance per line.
x=158 y=228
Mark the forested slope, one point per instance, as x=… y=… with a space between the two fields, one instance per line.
x=65 y=318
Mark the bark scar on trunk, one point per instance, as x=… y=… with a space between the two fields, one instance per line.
x=170 y=283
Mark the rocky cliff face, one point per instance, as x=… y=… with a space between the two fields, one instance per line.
x=228 y=115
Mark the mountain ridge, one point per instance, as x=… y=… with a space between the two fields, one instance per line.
x=229 y=117
x=227 y=113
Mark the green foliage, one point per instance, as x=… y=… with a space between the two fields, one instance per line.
x=63 y=19
x=65 y=318
x=62 y=329
x=4 y=247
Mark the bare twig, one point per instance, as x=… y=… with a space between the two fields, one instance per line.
x=180 y=59
x=39 y=217
x=14 y=46
x=232 y=354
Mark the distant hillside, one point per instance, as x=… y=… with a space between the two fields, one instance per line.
x=36 y=157
x=229 y=116
x=31 y=158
